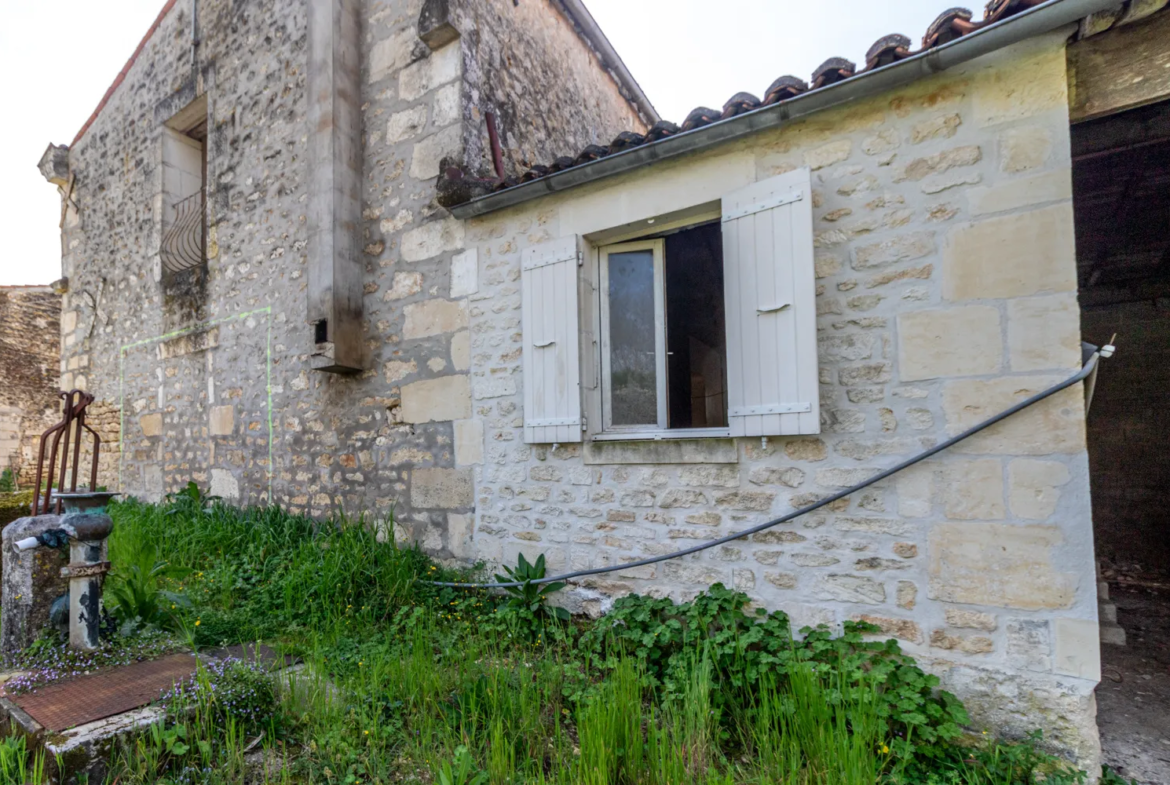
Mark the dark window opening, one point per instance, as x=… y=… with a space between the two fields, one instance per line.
x=321 y=331
x=696 y=342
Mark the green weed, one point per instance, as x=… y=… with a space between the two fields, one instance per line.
x=405 y=682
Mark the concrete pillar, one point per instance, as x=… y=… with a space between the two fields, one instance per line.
x=334 y=182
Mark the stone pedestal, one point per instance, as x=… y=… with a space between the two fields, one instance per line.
x=31 y=582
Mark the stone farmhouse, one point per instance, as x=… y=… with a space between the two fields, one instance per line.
x=442 y=259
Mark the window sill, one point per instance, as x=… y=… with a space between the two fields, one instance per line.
x=713 y=445
x=679 y=433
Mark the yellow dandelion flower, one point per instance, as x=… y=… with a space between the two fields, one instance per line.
x=198 y=622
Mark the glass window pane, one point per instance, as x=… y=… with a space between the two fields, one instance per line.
x=632 y=361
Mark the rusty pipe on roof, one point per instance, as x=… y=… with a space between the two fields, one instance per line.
x=194 y=36
x=494 y=139
x=1040 y=19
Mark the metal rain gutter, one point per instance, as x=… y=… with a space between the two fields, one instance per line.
x=1038 y=20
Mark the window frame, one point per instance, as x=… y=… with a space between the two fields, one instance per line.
x=191 y=124
x=658 y=247
x=660 y=430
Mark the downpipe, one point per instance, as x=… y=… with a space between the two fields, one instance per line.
x=1091 y=356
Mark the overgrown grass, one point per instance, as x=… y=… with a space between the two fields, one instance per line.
x=407 y=683
x=261 y=573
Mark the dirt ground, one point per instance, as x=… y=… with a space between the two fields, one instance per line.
x=1133 y=701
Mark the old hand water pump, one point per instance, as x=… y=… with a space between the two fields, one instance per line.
x=85 y=526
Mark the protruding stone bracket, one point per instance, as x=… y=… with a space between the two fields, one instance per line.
x=436 y=24
x=54 y=164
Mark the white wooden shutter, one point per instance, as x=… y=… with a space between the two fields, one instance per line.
x=552 y=371
x=769 y=290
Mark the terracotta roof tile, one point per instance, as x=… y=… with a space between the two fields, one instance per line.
x=626 y=140
x=661 y=130
x=949 y=25
x=455 y=188
x=740 y=103
x=699 y=117
x=784 y=88
x=887 y=49
x=592 y=152
x=833 y=70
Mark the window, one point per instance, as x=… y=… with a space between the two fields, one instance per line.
x=686 y=327
x=663 y=336
x=184 y=165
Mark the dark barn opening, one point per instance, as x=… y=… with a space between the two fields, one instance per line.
x=1121 y=198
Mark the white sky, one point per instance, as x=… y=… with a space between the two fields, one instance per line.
x=58 y=59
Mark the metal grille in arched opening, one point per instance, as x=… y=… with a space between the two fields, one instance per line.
x=182 y=243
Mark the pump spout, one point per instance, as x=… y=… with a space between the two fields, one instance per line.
x=50 y=538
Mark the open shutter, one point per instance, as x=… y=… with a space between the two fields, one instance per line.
x=552 y=372
x=772 y=379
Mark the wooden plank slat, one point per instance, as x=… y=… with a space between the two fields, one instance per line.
x=527 y=359
x=749 y=289
x=1122 y=68
x=784 y=321
x=770 y=271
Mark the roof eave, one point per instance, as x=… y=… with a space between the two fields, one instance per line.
x=1041 y=19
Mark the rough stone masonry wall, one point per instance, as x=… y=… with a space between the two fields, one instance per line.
x=946 y=292
x=384 y=440
x=526 y=63
x=210 y=376
x=29 y=316
x=127 y=334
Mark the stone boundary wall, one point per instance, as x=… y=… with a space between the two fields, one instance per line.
x=29 y=350
x=946 y=292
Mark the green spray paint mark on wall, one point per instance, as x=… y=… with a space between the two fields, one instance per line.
x=266 y=312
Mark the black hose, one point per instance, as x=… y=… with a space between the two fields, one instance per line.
x=1086 y=370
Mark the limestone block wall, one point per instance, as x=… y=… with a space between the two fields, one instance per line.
x=29 y=349
x=946 y=292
